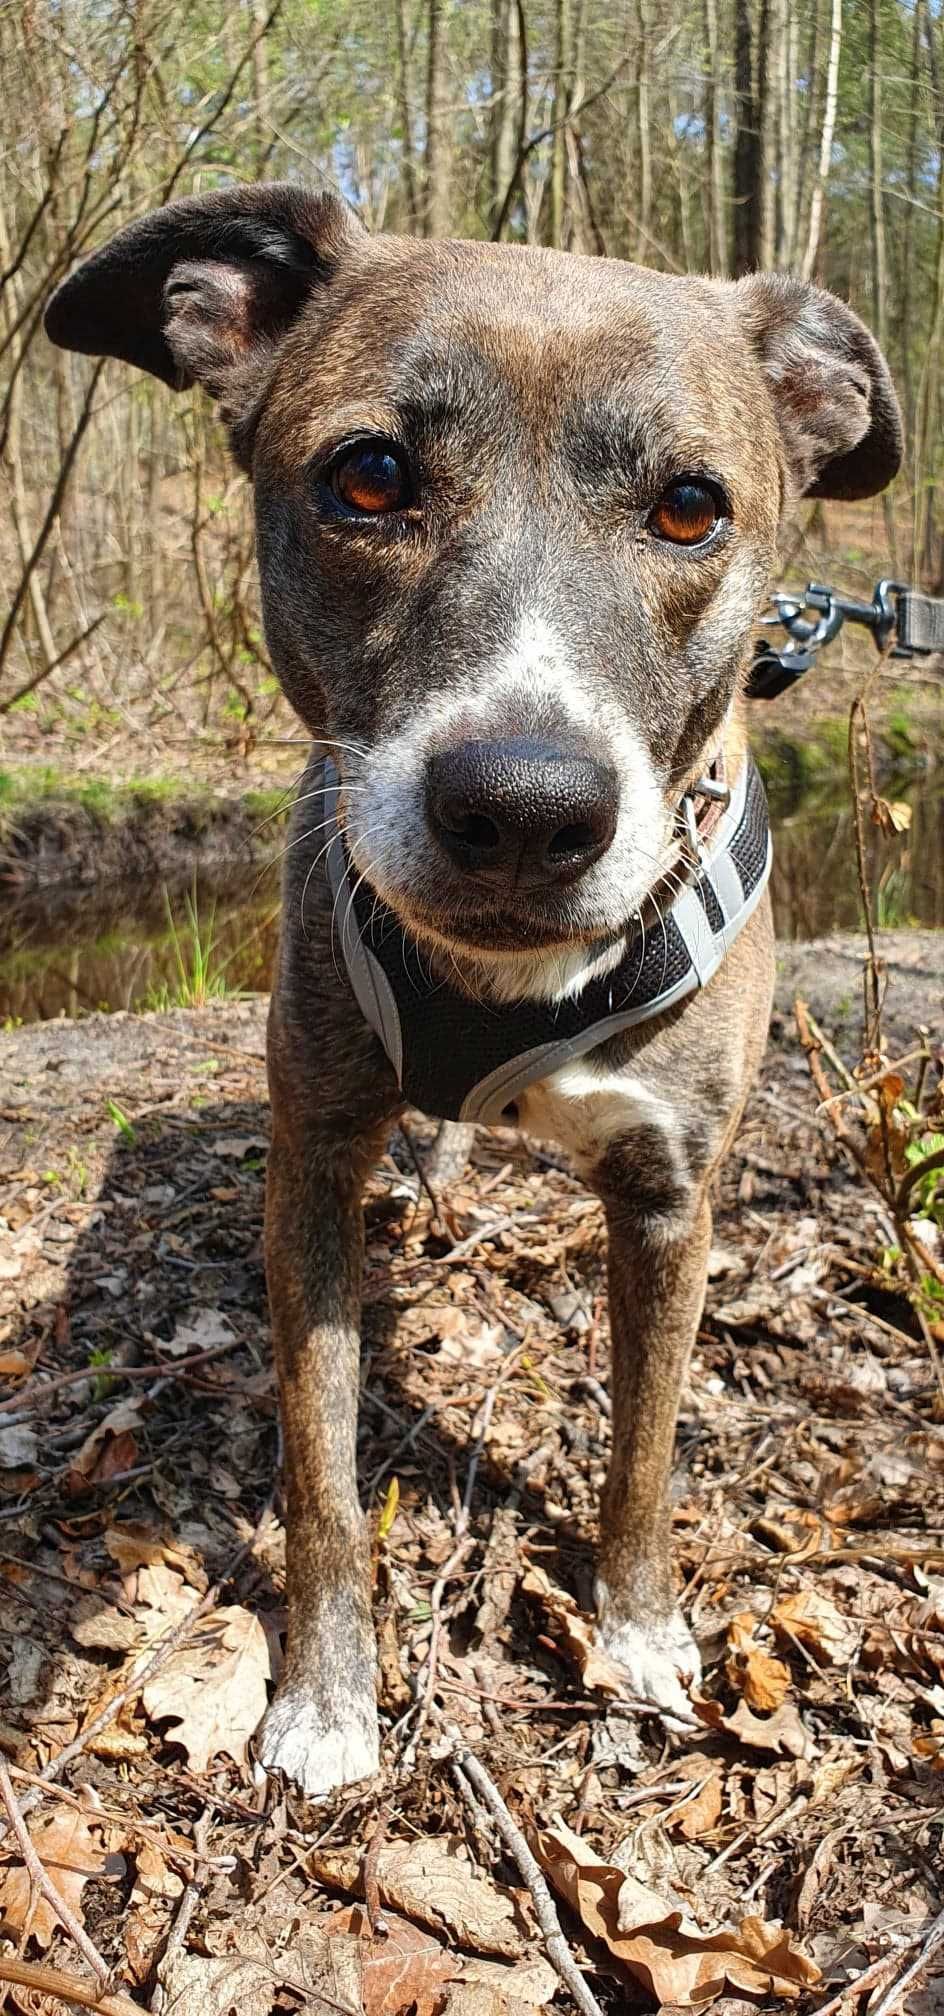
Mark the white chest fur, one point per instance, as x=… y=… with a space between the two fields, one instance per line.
x=583 y=1109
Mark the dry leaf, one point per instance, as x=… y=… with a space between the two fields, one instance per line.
x=479 y=1998
x=761 y=1679
x=110 y=1449
x=658 y=1943
x=208 y=1327
x=99 y=1624
x=700 y=1814
x=432 y=1880
x=134 y=1545
x=403 y=1972
x=161 y=1601
x=931 y=1745
x=70 y=1854
x=18 y=1445
x=782 y=1733
x=533 y=1981
x=214 y=1688
x=238 y=1145
x=230 y=1987
x=893 y=815
x=152 y=1877
x=599 y=1673
x=815 y=1622
x=14 y=1365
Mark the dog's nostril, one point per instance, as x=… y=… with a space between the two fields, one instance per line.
x=474 y=828
x=570 y=840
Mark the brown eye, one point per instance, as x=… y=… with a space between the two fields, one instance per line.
x=370 y=479
x=685 y=514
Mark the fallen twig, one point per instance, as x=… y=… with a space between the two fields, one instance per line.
x=174 y=1851
x=426 y=1678
x=861 y=1983
x=190 y=1898
x=64 y=1987
x=470 y=1773
x=165 y=1368
x=933 y=1938
x=43 y=1882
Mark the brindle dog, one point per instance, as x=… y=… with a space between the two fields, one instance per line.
x=524 y=505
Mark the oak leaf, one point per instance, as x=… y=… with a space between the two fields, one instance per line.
x=432 y=1880
x=814 y=1620
x=70 y=1853
x=401 y=1974
x=599 y=1673
x=782 y=1733
x=659 y=1943
x=233 y=1986
x=754 y=1673
x=213 y=1689
x=700 y=1813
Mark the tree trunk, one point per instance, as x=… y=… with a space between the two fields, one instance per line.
x=906 y=294
x=644 y=197
x=928 y=399
x=405 y=112
x=260 y=84
x=827 y=131
x=747 y=153
x=681 y=182
x=787 y=136
x=715 y=234
x=562 y=99
x=437 y=213
x=877 y=223
x=764 y=215
x=504 y=104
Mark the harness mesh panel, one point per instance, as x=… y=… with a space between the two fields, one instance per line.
x=709 y=903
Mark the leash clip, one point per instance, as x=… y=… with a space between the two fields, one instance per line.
x=719 y=794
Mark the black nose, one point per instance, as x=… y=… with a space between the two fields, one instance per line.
x=521 y=814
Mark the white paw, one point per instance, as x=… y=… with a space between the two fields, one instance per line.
x=319 y=1754
x=661 y=1661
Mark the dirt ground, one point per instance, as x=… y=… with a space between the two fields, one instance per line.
x=785 y=1847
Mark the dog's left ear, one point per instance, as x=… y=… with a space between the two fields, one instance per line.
x=832 y=389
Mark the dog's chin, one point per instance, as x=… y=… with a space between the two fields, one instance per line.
x=497 y=933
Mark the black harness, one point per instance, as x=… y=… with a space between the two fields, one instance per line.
x=460 y=1059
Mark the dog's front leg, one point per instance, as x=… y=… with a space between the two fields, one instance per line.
x=321 y=1729
x=657 y=1274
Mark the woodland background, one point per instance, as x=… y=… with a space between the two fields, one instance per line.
x=702 y=135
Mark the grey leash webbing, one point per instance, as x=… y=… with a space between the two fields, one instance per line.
x=920 y=622
x=457 y=1058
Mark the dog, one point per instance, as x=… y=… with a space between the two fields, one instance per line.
x=517 y=512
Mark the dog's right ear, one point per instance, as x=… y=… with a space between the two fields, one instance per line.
x=202 y=291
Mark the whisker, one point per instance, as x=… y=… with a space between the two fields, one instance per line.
x=289 y=802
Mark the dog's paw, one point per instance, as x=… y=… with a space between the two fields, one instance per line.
x=317 y=1752
x=661 y=1661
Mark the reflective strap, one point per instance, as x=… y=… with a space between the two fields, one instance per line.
x=920 y=625
x=372 y=990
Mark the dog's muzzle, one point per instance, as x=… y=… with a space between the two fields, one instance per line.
x=460 y=1059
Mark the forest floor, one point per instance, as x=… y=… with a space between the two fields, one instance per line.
x=786 y=1847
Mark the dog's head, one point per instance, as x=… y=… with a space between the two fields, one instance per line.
x=516 y=514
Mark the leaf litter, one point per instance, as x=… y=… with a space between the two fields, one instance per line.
x=795 y=1834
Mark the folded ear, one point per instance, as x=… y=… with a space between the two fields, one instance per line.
x=832 y=389
x=203 y=290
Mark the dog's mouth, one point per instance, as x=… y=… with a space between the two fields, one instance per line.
x=501 y=930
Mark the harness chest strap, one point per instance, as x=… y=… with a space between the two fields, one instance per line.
x=460 y=1059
